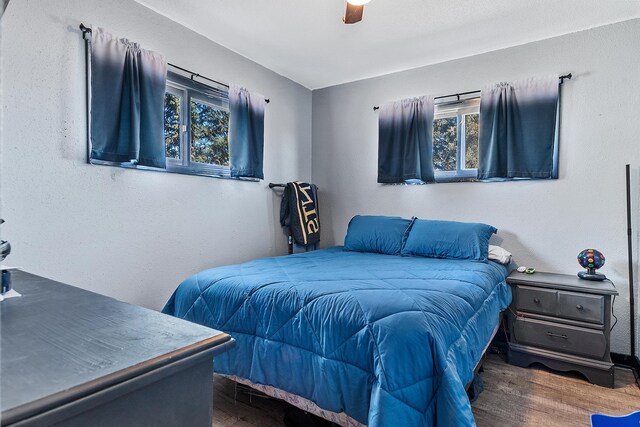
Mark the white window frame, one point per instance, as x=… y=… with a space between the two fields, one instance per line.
x=188 y=89
x=457 y=109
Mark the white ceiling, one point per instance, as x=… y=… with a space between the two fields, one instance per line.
x=306 y=41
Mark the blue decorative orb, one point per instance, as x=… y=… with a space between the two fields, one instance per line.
x=591 y=259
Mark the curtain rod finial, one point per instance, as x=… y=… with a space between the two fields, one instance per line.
x=566 y=76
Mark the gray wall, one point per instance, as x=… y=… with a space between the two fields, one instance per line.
x=135 y=235
x=544 y=223
x=129 y=234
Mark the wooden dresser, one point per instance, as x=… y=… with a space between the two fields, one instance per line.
x=70 y=357
x=563 y=322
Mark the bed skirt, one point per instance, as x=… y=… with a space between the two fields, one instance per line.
x=306 y=405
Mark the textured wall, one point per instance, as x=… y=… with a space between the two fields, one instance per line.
x=134 y=235
x=544 y=223
x=129 y=234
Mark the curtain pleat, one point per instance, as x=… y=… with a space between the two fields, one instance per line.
x=405 y=141
x=246 y=133
x=127 y=101
x=518 y=136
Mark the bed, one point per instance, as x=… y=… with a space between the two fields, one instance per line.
x=365 y=338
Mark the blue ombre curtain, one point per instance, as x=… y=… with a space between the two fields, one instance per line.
x=246 y=132
x=405 y=141
x=518 y=135
x=127 y=101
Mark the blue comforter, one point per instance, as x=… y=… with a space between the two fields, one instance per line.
x=390 y=340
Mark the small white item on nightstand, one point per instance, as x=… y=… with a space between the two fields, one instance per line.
x=522 y=269
x=498 y=254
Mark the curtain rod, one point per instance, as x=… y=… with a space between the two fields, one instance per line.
x=194 y=75
x=458 y=95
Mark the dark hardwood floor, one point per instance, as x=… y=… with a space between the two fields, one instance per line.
x=539 y=397
x=512 y=397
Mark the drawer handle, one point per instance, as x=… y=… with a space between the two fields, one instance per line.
x=579 y=307
x=563 y=336
x=536 y=300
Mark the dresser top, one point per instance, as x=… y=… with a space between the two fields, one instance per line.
x=59 y=342
x=567 y=282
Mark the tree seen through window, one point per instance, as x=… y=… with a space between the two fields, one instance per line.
x=455 y=140
x=209 y=134
x=172 y=125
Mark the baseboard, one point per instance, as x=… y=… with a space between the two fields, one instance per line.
x=628 y=361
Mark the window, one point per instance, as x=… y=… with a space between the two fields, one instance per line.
x=196 y=127
x=455 y=140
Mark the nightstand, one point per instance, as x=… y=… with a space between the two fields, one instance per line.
x=562 y=322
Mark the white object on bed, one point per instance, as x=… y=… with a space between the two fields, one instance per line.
x=498 y=254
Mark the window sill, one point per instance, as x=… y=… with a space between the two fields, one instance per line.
x=446 y=179
x=173 y=169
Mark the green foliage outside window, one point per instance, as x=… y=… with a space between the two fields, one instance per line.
x=445 y=143
x=209 y=131
x=172 y=125
x=471 y=125
x=209 y=134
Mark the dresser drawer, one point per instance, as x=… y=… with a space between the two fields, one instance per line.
x=536 y=300
x=584 y=307
x=562 y=338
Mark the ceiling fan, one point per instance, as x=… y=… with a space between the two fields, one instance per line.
x=354 y=11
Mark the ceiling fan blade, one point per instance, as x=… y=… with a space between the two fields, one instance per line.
x=353 y=14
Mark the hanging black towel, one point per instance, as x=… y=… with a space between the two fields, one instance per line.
x=299 y=212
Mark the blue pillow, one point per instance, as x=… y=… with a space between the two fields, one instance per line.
x=449 y=239
x=378 y=234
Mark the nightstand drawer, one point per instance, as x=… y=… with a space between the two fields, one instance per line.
x=536 y=300
x=563 y=338
x=585 y=307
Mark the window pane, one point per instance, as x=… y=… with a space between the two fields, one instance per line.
x=209 y=132
x=471 y=122
x=445 y=143
x=172 y=125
